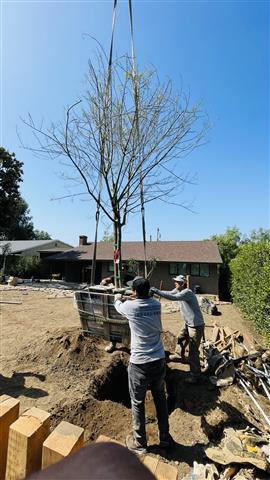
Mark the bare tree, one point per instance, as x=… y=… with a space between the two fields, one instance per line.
x=125 y=139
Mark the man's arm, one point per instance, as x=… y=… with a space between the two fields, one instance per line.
x=121 y=307
x=173 y=295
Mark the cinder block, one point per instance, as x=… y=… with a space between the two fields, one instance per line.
x=26 y=437
x=165 y=471
x=9 y=412
x=64 y=440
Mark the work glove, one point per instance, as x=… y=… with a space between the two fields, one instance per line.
x=117 y=296
x=152 y=291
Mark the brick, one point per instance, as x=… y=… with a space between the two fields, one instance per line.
x=165 y=471
x=64 y=440
x=9 y=412
x=26 y=436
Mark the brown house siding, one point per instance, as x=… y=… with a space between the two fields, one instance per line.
x=161 y=274
x=207 y=284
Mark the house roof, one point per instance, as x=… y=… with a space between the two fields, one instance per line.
x=17 y=246
x=201 y=251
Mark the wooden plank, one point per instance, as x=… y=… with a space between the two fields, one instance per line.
x=103 y=438
x=26 y=436
x=165 y=471
x=151 y=463
x=64 y=440
x=215 y=334
x=9 y=412
x=228 y=331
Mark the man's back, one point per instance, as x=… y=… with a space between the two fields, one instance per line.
x=144 y=315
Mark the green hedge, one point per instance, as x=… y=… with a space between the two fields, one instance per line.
x=251 y=284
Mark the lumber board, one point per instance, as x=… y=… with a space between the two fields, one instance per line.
x=151 y=463
x=64 y=440
x=9 y=412
x=165 y=471
x=26 y=436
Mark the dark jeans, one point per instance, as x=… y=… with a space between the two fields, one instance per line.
x=141 y=377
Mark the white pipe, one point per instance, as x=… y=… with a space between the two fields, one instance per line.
x=265 y=389
x=254 y=400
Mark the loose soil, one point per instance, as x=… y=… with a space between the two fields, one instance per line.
x=47 y=362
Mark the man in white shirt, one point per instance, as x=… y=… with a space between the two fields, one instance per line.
x=147 y=367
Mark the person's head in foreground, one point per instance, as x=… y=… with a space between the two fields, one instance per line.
x=141 y=286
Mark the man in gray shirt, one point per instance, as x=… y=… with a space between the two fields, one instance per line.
x=193 y=330
x=147 y=367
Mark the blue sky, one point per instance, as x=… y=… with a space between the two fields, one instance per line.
x=217 y=50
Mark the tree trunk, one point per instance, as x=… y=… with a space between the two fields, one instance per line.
x=117 y=251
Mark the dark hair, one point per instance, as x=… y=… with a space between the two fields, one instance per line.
x=141 y=286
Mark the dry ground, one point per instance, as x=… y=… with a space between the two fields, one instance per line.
x=47 y=362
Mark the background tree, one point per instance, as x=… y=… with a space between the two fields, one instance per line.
x=41 y=235
x=125 y=139
x=15 y=219
x=251 y=283
x=10 y=177
x=260 y=235
x=228 y=244
x=107 y=236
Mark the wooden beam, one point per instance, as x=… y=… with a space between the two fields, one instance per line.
x=26 y=436
x=165 y=471
x=64 y=440
x=9 y=412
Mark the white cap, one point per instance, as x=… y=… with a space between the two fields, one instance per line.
x=180 y=279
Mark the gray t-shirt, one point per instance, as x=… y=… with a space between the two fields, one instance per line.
x=189 y=305
x=144 y=316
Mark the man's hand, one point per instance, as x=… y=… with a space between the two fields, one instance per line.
x=118 y=296
x=152 y=291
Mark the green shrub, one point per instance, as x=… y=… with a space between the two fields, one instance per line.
x=251 y=283
x=24 y=267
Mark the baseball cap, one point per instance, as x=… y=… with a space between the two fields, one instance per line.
x=180 y=279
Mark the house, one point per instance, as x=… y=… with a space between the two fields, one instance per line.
x=38 y=249
x=199 y=259
x=35 y=248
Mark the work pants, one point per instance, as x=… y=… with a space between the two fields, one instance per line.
x=192 y=336
x=141 y=377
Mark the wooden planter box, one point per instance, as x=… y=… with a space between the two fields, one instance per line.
x=99 y=317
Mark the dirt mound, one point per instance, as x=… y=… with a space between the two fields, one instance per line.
x=96 y=417
x=66 y=349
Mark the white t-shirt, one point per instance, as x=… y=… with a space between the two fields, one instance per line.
x=144 y=316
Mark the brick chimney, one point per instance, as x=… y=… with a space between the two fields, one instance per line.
x=82 y=240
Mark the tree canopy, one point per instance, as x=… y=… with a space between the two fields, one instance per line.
x=229 y=244
x=15 y=219
x=125 y=139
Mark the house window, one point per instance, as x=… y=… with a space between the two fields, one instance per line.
x=204 y=270
x=182 y=268
x=195 y=269
x=178 y=269
x=200 y=269
x=111 y=267
x=173 y=270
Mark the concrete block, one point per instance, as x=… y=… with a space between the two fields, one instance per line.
x=9 y=412
x=64 y=440
x=26 y=437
